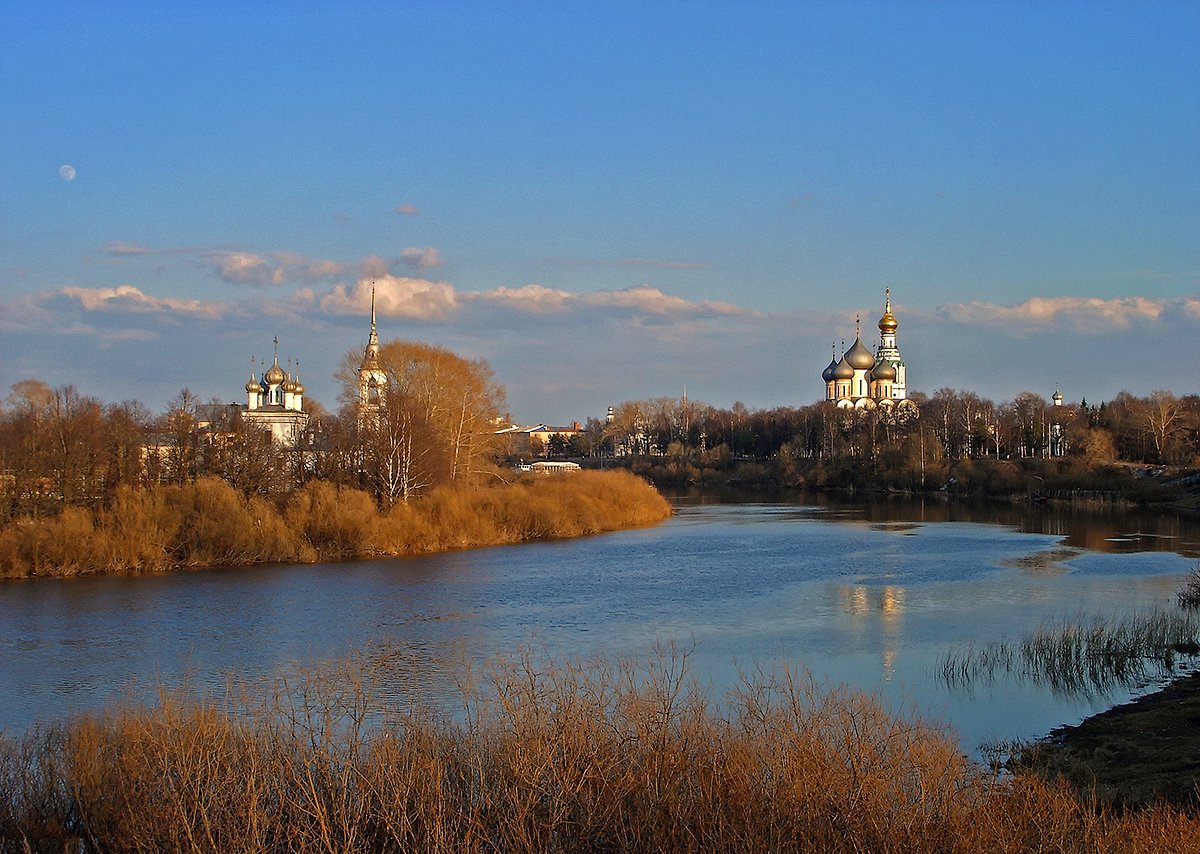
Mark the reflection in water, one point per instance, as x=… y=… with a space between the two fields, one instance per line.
x=881 y=608
x=1101 y=526
x=1045 y=560
x=407 y=674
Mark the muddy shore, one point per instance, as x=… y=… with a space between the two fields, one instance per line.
x=1132 y=755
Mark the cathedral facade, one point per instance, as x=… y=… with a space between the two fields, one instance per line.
x=862 y=380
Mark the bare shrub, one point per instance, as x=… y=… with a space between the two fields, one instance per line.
x=142 y=527
x=1080 y=656
x=65 y=544
x=403 y=530
x=568 y=756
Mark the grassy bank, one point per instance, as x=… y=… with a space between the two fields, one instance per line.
x=1139 y=753
x=596 y=757
x=208 y=523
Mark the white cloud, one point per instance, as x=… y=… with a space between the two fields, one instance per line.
x=276 y=268
x=395 y=296
x=417 y=258
x=1083 y=314
x=302 y=268
x=127 y=298
x=246 y=268
x=374 y=266
x=653 y=301
x=640 y=299
x=534 y=299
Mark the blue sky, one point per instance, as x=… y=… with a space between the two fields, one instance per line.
x=606 y=201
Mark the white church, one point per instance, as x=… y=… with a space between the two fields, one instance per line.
x=861 y=379
x=276 y=402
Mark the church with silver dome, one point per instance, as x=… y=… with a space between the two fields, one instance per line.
x=862 y=380
x=276 y=402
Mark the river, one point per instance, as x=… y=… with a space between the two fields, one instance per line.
x=869 y=595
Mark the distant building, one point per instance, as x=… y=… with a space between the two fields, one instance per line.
x=1057 y=444
x=276 y=402
x=547 y=467
x=862 y=380
x=535 y=440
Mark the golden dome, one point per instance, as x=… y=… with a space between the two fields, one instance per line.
x=887 y=323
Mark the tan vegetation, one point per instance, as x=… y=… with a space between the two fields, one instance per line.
x=595 y=757
x=209 y=523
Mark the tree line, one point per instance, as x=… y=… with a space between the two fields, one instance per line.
x=1160 y=428
x=436 y=421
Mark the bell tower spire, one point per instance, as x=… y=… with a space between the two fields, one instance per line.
x=374 y=339
x=372 y=378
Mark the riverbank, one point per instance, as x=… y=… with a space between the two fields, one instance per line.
x=1133 y=755
x=1072 y=479
x=208 y=523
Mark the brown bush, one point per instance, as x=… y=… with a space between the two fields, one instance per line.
x=221 y=527
x=67 y=544
x=141 y=527
x=334 y=522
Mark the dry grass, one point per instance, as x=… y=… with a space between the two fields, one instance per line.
x=598 y=757
x=209 y=523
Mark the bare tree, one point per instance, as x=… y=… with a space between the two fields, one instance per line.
x=442 y=426
x=1163 y=414
x=178 y=453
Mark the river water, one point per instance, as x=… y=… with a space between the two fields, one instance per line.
x=869 y=595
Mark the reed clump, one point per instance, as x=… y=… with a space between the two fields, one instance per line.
x=1083 y=656
x=209 y=523
x=1188 y=594
x=600 y=756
